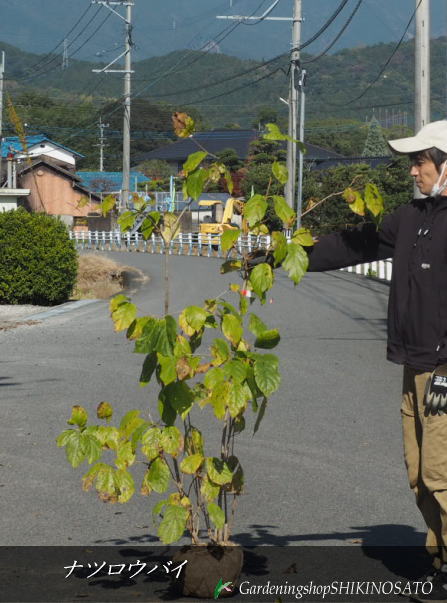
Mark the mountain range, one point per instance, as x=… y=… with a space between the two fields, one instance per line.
x=162 y=26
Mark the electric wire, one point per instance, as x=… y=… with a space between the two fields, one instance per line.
x=323 y=28
x=385 y=65
x=43 y=59
x=41 y=72
x=337 y=37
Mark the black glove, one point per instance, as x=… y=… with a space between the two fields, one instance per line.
x=435 y=398
x=259 y=256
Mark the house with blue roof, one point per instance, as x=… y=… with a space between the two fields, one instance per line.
x=39 y=145
x=109 y=182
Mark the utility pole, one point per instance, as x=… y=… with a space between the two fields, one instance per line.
x=65 y=55
x=422 y=69
x=299 y=193
x=293 y=103
x=101 y=145
x=293 y=85
x=422 y=65
x=2 y=72
x=127 y=71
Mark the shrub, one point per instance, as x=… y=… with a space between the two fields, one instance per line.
x=38 y=261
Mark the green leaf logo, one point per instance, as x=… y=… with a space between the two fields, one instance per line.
x=220 y=586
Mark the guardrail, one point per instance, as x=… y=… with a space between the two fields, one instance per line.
x=199 y=244
x=187 y=243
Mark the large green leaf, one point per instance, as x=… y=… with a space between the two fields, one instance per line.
x=63 y=438
x=149 y=223
x=149 y=366
x=194 y=160
x=373 y=199
x=254 y=209
x=125 y=484
x=284 y=212
x=195 y=317
x=219 y=351
x=78 y=417
x=256 y=326
x=104 y=411
x=213 y=377
x=75 y=449
x=130 y=422
x=195 y=183
x=232 y=328
x=168 y=368
x=216 y=514
x=238 y=398
x=268 y=339
x=228 y=238
x=261 y=279
x=170 y=227
x=219 y=399
x=194 y=441
x=266 y=373
x=125 y=456
x=279 y=244
x=191 y=463
x=173 y=524
x=296 y=262
x=171 y=440
x=107 y=204
x=126 y=220
x=159 y=475
x=150 y=443
x=304 y=237
x=236 y=369
x=218 y=471
x=105 y=483
x=179 y=396
x=209 y=490
x=274 y=133
x=92 y=447
x=159 y=335
x=280 y=172
x=355 y=201
x=124 y=315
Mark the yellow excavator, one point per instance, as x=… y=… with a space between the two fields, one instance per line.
x=221 y=219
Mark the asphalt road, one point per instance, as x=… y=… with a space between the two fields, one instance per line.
x=325 y=467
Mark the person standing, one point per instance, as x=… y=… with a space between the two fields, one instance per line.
x=415 y=236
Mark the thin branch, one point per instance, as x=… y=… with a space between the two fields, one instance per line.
x=330 y=196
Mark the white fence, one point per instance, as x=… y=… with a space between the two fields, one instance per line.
x=199 y=244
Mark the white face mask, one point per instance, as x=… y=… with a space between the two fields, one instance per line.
x=438 y=188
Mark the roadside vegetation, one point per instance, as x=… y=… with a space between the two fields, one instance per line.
x=99 y=277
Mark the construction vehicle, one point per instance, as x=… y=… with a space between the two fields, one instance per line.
x=222 y=218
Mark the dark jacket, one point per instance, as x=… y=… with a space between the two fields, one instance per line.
x=415 y=236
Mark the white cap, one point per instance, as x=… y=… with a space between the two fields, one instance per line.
x=431 y=135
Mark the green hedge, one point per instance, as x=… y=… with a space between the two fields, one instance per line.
x=38 y=262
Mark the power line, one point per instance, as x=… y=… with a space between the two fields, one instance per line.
x=388 y=61
x=62 y=40
x=337 y=37
x=323 y=27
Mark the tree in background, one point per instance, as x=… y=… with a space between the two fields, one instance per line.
x=157 y=169
x=375 y=144
x=265 y=115
x=392 y=178
x=230 y=159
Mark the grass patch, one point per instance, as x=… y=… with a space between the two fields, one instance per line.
x=98 y=277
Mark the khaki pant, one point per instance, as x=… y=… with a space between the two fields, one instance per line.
x=425 y=450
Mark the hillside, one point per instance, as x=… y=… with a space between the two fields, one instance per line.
x=207 y=81
x=162 y=27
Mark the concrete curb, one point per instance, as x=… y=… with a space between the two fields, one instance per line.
x=63 y=309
